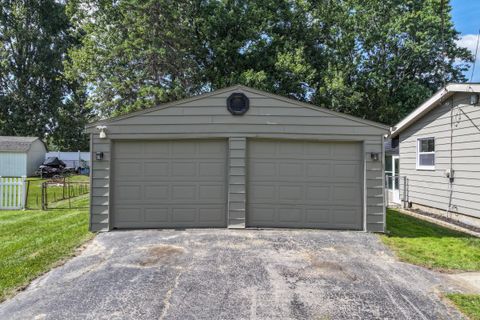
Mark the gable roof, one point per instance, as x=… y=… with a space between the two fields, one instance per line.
x=244 y=88
x=16 y=144
x=437 y=99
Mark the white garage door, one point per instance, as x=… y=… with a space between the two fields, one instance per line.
x=302 y=184
x=169 y=184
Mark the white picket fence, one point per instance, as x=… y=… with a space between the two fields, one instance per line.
x=13 y=193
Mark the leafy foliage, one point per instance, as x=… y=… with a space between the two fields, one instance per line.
x=35 y=98
x=373 y=59
x=62 y=64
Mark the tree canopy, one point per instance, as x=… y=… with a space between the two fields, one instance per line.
x=65 y=63
x=369 y=58
x=35 y=97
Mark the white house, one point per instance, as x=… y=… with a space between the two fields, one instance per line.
x=20 y=156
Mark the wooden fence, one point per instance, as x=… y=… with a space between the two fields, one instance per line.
x=13 y=193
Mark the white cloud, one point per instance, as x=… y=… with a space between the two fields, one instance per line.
x=469 y=41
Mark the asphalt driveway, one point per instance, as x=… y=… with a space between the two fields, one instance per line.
x=229 y=274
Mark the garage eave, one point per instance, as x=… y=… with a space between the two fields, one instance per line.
x=437 y=99
x=90 y=128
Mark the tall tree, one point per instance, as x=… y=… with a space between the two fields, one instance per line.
x=34 y=94
x=134 y=54
x=376 y=59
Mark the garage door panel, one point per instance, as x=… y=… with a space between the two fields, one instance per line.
x=320 y=194
x=181 y=216
x=205 y=148
x=290 y=148
x=258 y=192
x=128 y=149
x=318 y=169
x=129 y=192
x=346 y=194
x=263 y=215
x=156 y=192
x=211 y=192
x=320 y=216
x=292 y=193
x=156 y=169
x=184 y=215
x=155 y=148
x=290 y=169
x=183 y=169
x=156 y=215
x=346 y=151
x=291 y=214
x=306 y=217
x=304 y=184
x=128 y=214
x=346 y=217
x=169 y=184
x=183 y=147
x=211 y=214
x=346 y=171
x=130 y=169
x=212 y=169
x=184 y=193
x=318 y=149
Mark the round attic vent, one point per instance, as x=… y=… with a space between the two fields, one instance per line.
x=237 y=103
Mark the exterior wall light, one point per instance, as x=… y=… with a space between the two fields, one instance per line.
x=99 y=156
x=102 y=134
x=375 y=156
x=474 y=99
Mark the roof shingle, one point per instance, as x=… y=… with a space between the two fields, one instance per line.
x=16 y=144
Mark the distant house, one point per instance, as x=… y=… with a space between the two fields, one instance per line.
x=20 y=156
x=71 y=159
x=439 y=149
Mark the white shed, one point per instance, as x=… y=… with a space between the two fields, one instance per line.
x=20 y=156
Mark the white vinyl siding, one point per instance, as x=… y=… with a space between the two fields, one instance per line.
x=13 y=164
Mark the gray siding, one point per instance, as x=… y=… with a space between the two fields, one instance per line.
x=431 y=188
x=269 y=117
x=236 y=182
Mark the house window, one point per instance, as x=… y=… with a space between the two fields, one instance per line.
x=426 y=153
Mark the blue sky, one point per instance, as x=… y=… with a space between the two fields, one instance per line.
x=466 y=17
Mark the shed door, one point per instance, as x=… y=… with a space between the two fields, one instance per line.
x=169 y=184
x=300 y=184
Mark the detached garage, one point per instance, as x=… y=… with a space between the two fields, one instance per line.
x=237 y=158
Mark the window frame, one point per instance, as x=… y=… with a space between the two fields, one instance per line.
x=422 y=167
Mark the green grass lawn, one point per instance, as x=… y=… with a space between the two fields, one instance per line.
x=429 y=245
x=469 y=304
x=432 y=246
x=33 y=241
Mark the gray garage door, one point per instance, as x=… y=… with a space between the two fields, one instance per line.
x=169 y=184
x=303 y=184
